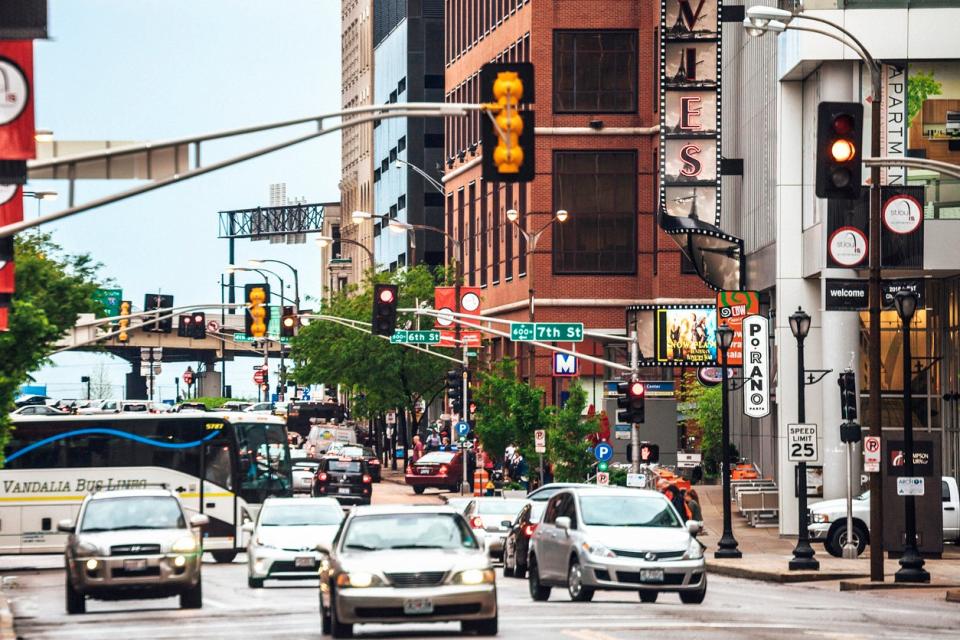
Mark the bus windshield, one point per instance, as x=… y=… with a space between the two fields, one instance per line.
x=264 y=458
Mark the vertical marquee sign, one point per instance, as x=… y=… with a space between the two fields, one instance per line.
x=690 y=75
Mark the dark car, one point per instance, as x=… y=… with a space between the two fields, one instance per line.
x=366 y=453
x=346 y=479
x=437 y=469
x=517 y=544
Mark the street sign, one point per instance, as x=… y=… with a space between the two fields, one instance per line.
x=688 y=460
x=622 y=431
x=802 y=443
x=463 y=428
x=540 y=441
x=242 y=337
x=910 y=486
x=259 y=377
x=565 y=365
x=187 y=377
x=415 y=337
x=637 y=480
x=756 y=366
x=603 y=478
x=110 y=300
x=547 y=331
x=213 y=326
x=871 y=454
x=603 y=452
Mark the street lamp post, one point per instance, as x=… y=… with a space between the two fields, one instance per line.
x=266 y=358
x=296 y=278
x=760 y=20
x=727 y=546
x=911 y=563
x=803 y=553
x=513 y=216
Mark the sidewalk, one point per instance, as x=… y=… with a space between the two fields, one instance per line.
x=766 y=554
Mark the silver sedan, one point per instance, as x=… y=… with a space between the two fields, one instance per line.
x=396 y=564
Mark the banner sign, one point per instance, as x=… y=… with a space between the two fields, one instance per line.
x=901 y=235
x=891 y=287
x=756 y=366
x=17 y=128
x=846 y=295
x=732 y=308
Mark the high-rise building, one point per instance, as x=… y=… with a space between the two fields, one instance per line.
x=408 y=63
x=356 y=181
x=597 y=115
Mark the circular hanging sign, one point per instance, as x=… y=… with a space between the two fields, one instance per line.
x=712 y=376
x=469 y=302
x=14 y=91
x=902 y=214
x=7 y=191
x=848 y=246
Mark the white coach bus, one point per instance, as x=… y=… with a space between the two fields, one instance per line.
x=52 y=462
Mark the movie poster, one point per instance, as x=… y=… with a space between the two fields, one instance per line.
x=687 y=335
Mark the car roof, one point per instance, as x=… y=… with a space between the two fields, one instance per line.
x=228 y=416
x=302 y=501
x=393 y=509
x=617 y=492
x=132 y=493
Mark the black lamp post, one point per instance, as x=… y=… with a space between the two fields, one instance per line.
x=803 y=553
x=727 y=546
x=911 y=564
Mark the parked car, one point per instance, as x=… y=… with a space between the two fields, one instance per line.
x=437 y=469
x=283 y=542
x=346 y=479
x=132 y=544
x=491 y=519
x=516 y=546
x=828 y=519
x=304 y=471
x=615 y=539
x=235 y=405
x=401 y=564
x=366 y=453
x=38 y=410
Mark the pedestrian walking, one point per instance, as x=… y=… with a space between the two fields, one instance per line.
x=418 y=448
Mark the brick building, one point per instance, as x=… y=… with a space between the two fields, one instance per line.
x=596 y=114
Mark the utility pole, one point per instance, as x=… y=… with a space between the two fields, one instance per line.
x=634 y=427
x=465 y=409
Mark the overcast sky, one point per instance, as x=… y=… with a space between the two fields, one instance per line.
x=156 y=69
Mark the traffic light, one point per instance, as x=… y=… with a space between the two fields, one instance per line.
x=185 y=326
x=455 y=390
x=638 y=397
x=848 y=395
x=623 y=403
x=124 y=322
x=288 y=323
x=155 y=302
x=258 y=309
x=839 y=150
x=199 y=325
x=384 y=309
x=509 y=151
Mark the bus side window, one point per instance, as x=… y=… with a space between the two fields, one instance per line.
x=217 y=460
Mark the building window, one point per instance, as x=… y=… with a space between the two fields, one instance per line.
x=402 y=143
x=401 y=202
x=484 y=233
x=393 y=155
x=472 y=203
x=376 y=175
x=594 y=71
x=433 y=81
x=600 y=187
x=401 y=86
x=393 y=211
x=384 y=166
x=393 y=97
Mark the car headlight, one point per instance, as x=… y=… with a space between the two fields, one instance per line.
x=694 y=550
x=358 y=579
x=820 y=518
x=187 y=544
x=598 y=550
x=85 y=549
x=474 y=576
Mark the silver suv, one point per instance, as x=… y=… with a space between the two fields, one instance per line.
x=619 y=539
x=132 y=544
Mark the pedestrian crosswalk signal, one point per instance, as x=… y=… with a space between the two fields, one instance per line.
x=848 y=395
x=384 y=309
x=508 y=130
x=839 y=144
x=258 y=310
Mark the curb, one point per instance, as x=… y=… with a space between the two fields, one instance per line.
x=7 y=632
x=852 y=585
x=778 y=577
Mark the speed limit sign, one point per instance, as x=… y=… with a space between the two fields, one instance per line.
x=802 y=443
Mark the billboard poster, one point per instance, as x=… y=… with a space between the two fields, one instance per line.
x=732 y=308
x=687 y=335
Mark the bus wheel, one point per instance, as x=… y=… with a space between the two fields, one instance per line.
x=223 y=557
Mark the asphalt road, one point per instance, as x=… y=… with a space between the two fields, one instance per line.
x=733 y=609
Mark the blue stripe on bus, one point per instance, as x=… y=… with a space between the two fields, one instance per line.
x=111 y=432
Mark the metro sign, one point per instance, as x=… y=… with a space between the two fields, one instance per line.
x=565 y=365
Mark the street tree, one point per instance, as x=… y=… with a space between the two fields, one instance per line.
x=508 y=410
x=52 y=289
x=567 y=445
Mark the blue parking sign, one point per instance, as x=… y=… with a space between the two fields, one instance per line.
x=463 y=428
x=603 y=452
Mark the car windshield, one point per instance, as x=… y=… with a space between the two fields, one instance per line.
x=437 y=457
x=500 y=507
x=627 y=511
x=305 y=466
x=300 y=515
x=346 y=466
x=408 y=531
x=115 y=514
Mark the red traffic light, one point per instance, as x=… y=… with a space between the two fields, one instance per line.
x=843 y=124
x=637 y=388
x=386 y=296
x=186 y=320
x=198 y=317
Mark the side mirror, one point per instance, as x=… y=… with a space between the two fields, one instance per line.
x=198 y=520
x=323 y=547
x=506 y=524
x=66 y=526
x=563 y=522
x=694 y=527
x=247 y=527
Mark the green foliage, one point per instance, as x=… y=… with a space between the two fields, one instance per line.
x=709 y=415
x=211 y=403
x=567 y=447
x=508 y=410
x=389 y=376
x=52 y=288
x=618 y=477
x=920 y=86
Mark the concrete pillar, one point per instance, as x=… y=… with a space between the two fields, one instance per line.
x=210 y=383
x=136 y=384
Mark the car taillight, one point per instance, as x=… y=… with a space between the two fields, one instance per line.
x=443 y=469
x=367 y=479
x=374 y=461
x=322 y=476
x=476 y=522
x=529 y=529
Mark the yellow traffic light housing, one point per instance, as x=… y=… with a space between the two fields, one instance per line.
x=258 y=311
x=124 y=323
x=508 y=130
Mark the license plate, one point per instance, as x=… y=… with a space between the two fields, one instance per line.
x=418 y=606
x=304 y=561
x=344 y=490
x=651 y=575
x=134 y=565
x=424 y=472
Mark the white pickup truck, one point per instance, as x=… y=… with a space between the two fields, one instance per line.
x=828 y=519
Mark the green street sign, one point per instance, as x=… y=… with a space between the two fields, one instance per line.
x=109 y=299
x=242 y=337
x=428 y=336
x=522 y=331
x=547 y=331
